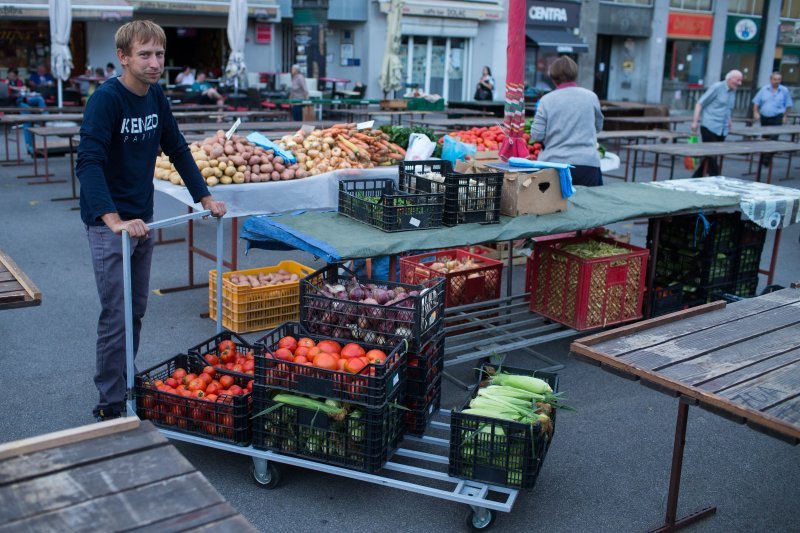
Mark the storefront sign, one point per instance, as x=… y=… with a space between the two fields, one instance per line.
x=745 y=29
x=447 y=9
x=624 y=21
x=545 y=13
x=263 y=33
x=263 y=9
x=94 y=10
x=690 y=26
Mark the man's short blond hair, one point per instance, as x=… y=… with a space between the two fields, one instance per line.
x=141 y=31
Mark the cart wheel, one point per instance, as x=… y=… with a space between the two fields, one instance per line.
x=271 y=479
x=476 y=522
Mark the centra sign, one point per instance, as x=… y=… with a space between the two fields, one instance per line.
x=556 y=13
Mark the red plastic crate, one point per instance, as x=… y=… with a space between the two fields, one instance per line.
x=463 y=287
x=586 y=293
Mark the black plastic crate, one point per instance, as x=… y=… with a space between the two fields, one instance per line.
x=746 y=286
x=722 y=234
x=226 y=420
x=420 y=411
x=361 y=443
x=468 y=197
x=495 y=451
x=694 y=267
x=425 y=366
x=378 y=203
x=749 y=260
x=211 y=346
x=666 y=299
x=415 y=320
x=373 y=386
x=751 y=234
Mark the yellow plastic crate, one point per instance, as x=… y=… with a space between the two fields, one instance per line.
x=246 y=309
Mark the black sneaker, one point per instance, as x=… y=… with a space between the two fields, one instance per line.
x=103 y=414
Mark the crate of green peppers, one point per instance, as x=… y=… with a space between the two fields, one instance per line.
x=380 y=204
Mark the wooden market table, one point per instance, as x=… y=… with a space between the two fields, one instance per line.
x=713 y=149
x=119 y=475
x=740 y=361
x=652 y=122
x=626 y=138
x=16 y=289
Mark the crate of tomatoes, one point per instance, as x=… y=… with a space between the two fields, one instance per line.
x=360 y=373
x=186 y=395
x=229 y=353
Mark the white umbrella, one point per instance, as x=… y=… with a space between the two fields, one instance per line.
x=60 y=55
x=392 y=68
x=237 y=29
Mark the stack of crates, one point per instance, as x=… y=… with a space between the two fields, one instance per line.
x=701 y=256
x=417 y=322
x=370 y=428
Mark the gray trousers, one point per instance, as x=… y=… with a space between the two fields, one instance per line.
x=106 y=250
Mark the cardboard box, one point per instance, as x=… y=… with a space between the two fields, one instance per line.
x=532 y=193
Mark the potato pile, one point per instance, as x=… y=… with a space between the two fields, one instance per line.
x=263 y=280
x=237 y=160
x=341 y=146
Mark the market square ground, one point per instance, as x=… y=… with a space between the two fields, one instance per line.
x=607 y=469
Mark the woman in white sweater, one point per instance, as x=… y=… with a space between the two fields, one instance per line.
x=566 y=123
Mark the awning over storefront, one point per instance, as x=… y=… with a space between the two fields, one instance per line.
x=450 y=9
x=264 y=10
x=81 y=10
x=558 y=39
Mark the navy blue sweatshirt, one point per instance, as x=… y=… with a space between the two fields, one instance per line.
x=120 y=139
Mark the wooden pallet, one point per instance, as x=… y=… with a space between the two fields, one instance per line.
x=112 y=476
x=16 y=289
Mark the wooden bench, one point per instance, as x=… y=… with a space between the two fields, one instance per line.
x=16 y=289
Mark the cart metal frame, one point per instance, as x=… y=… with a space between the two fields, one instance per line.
x=482 y=498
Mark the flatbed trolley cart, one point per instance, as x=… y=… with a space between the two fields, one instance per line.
x=482 y=498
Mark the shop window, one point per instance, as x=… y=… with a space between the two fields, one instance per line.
x=746 y=7
x=790 y=9
x=744 y=61
x=691 y=5
x=686 y=61
x=790 y=69
x=435 y=65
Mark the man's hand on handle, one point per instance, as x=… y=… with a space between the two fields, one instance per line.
x=217 y=207
x=136 y=228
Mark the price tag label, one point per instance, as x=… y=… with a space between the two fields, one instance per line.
x=236 y=124
x=414 y=222
x=365 y=125
x=307 y=128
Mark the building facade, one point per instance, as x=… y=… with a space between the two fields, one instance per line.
x=654 y=51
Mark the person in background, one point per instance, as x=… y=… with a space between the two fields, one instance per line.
x=185 y=77
x=771 y=107
x=713 y=112
x=298 y=91
x=99 y=73
x=40 y=79
x=206 y=89
x=24 y=99
x=111 y=71
x=567 y=121
x=485 y=88
x=126 y=123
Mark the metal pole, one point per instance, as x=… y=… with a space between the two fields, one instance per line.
x=128 y=302
x=220 y=236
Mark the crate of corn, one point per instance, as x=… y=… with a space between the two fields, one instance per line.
x=587 y=282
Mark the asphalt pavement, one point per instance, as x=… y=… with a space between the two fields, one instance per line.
x=607 y=469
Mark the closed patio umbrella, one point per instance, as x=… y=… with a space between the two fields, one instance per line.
x=392 y=69
x=237 y=29
x=514 y=124
x=60 y=55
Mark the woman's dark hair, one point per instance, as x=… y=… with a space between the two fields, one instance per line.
x=563 y=70
x=488 y=70
x=110 y=65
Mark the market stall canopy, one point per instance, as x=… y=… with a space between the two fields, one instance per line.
x=557 y=39
x=111 y=10
x=392 y=69
x=237 y=31
x=60 y=54
x=266 y=10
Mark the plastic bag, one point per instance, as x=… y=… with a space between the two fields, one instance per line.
x=455 y=150
x=420 y=147
x=689 y=163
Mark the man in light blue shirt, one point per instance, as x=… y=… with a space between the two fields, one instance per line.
x=716 y=108
x=771 y=107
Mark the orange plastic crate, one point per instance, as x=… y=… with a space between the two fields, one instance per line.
x=586 y=293
x=246 y=309
x=463 y=287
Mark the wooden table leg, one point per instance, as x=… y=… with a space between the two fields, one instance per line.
x=773 y=260
x=671 y=523
x=655 y=167
x=635 y=160
x=47 y=173
x=72 y=176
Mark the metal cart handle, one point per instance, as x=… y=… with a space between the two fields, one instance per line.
x=127 y=289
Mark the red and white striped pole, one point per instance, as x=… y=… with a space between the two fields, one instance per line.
x=514 y=124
